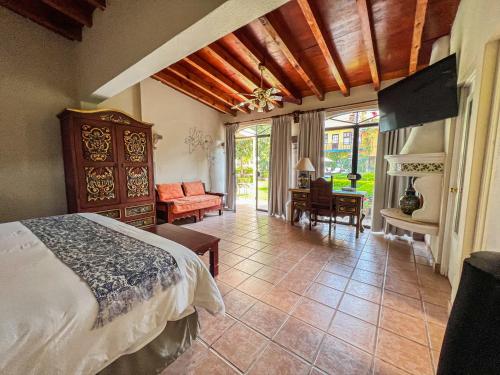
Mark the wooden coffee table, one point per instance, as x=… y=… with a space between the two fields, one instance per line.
x=198 y=242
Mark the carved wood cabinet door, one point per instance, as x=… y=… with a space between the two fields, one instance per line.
x=97 y=163
x=135 y=163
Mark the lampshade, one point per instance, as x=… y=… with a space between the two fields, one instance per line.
x=304 y=164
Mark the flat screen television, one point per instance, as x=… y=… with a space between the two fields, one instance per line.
x=428 y=95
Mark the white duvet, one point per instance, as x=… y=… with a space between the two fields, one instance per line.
x=47 y=311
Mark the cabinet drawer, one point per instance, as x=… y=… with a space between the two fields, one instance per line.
x=347 y=200
x=299 y=196
x=347 y=209
x=139 y=210
x=114 y=214
x=144 y=222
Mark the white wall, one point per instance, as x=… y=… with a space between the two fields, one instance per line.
x=173 y=114
x=37 y=75
x=129 y=101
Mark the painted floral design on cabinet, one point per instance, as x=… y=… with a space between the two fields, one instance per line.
x=97 y=144
x=100 y=183
x=135 y=146
x=137 y=182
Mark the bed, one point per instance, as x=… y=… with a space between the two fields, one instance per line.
x=48 y=313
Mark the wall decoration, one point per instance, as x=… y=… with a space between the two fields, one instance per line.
x=156 y=138
x=197 y=140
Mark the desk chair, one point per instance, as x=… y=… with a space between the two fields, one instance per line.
x=321 y=201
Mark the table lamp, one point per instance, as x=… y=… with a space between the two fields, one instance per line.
x=304 y=167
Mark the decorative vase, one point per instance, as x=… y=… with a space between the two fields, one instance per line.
x=409 y=202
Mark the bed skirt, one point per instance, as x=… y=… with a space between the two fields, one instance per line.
x=174 y=340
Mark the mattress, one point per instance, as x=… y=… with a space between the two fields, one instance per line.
x=47 y=311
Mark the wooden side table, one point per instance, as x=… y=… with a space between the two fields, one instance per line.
x=198 y=242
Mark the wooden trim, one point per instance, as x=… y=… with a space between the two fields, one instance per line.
x=369 y=40
x=44 y=16
x=285 y=46
x=107 y=110
x=418 y=27
x=190 y=90
x=273 y=73
x=202 y=84
x=327 y=49
x=72 y=10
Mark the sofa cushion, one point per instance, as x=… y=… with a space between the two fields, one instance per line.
x=193 y=188
x=167 y=192
x=194 y=203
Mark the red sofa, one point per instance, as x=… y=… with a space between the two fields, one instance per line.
x=188 y=199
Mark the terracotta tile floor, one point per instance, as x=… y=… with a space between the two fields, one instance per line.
x=298 y=302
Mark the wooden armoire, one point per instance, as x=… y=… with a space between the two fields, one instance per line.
x=108 y=164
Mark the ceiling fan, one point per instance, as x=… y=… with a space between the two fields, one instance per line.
x=261 y=98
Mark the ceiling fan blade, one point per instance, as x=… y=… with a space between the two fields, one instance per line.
x=270 y=106
x=276 y=97
x=260 y=109
x=274 y=90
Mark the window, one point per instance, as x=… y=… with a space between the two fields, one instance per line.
x=347 y=138
x=335 y=141
x=353 y=150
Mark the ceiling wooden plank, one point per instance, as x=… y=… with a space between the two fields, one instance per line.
x=207 y=87
x=101 y=4
x=369 y=40
x=286 y=45
x=212 y=73
x=243 y=74
x=325 y=46
x=44 y=16
x=72 y=10
x=418 y=27
x=186 y=88
x=272 y=73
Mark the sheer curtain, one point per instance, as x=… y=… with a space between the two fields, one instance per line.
x=388 y=189
x=279 y=173
x=231 y=166
x=311 y=139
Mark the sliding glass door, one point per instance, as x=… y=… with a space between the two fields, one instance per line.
x=350 y=148
x=252 y=165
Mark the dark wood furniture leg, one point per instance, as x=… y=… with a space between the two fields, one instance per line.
x=214 y=260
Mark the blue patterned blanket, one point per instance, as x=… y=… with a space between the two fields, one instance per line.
x=121 y=271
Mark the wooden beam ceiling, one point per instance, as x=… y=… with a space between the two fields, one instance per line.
x=189 y=89
x=208 y=70
x=369 y=40
x=242 y=73
x=326 y=47
x=286 y=46
x=101 y=4
x=418 y=28
x=272 y=74
x=209 y=88
x=73 y=10
x=65 y=17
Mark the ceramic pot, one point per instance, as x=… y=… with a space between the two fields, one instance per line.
x=409 y=202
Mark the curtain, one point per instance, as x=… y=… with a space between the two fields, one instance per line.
x=279 y=172
x=311 y=139
x=388 y=189
x=231 y=166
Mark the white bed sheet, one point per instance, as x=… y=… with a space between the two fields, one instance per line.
x=47 y=311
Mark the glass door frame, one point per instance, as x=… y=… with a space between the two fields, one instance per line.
x=256 y=138
x=355 y=141
x=257 y=172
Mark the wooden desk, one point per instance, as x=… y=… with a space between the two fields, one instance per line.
x=198 y=242
x=347 y=203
